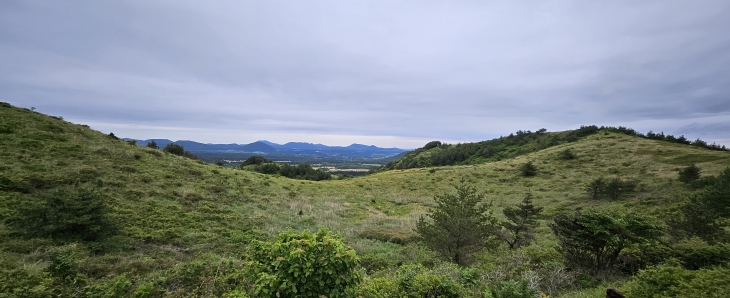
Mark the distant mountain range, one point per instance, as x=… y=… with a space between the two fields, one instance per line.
x=267 y=147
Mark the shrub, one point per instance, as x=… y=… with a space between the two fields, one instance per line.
x=380 y=288
x=567 y=154
x=417 y=281
x=695 y=253
x=113 y=288
x=658 y=282
x=596 y=188
x=174 y=149
x=67 y=213
x=304 y=265
x=64 y=264
x=255 y=160
x=153 y=145
x=513 y=289
x=23 y=283
x=594 y=240
x=528 y=169
x=689 y=174
x=616 y=187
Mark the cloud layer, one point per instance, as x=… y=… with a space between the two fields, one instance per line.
x=377 y=72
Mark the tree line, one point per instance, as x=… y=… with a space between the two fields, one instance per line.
x=301 y=171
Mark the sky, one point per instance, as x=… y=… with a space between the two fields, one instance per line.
x=388 y=73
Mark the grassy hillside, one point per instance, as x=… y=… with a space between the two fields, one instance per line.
x=181 y=226
x=522 y=142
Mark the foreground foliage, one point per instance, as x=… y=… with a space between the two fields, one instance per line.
x=303 y=265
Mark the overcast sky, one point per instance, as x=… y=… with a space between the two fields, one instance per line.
x=389 y=73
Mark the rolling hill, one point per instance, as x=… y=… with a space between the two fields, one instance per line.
x=180 y=227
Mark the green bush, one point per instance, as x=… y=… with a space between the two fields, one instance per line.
x=689 y=174
x=255 y=160
x=678 y=282
x=594 y=240
x=528 y=169
x=113 y=288
x=695 y=253
x=18 y=282
x=67 y=213
x=304 y=265
x=418 y=281
x=380 y=288
x=173 y=148
x=153 y=145
x=566 y=154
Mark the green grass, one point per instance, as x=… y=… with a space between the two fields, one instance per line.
x=172 y=210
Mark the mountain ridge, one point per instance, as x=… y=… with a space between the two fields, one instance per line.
x=264 y=146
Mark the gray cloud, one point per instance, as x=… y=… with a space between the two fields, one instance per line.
x=388 y=73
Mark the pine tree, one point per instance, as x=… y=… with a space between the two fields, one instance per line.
x=460 y=225
x=153 y=145
x=689 y=173
x=521 y=220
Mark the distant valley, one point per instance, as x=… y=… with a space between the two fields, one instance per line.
x=355 y=156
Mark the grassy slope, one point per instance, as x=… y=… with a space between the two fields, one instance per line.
x=172 y=210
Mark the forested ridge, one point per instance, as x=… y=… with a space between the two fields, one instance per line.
x=436 y=153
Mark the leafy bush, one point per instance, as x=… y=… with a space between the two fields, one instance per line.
x=695 y=253
x=528 y=169
x=304 y=265
x=380 y=288
x=417 y=281
x=678 y=282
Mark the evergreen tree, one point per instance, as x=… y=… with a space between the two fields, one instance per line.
x=460 y=225
x=521 y=220
x=153 y=145
x=689 y=173
x=594 y=240
x=528 y=169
